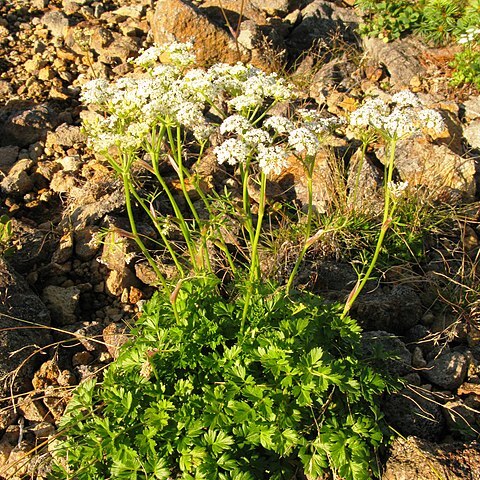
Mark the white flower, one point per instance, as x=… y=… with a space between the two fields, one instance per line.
x=256 y=137
x=279 y=124
x=303 y=140
x=406 y=98
x=148 y=57
x=397 y=190
x=362 y=117
x=399 y=124
x=97 y=92
x=245 y=102
x=469 y=35
x=272 y=159
x=430 y=119
x=181 y=54
x=231 y=151
x=235 y=124
x=189 y=115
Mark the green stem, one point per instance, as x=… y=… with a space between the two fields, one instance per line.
x=128 y=203
x=255 y=272
x=179 y=154
x=308 y=228
x=386 y=221
x=183 y=224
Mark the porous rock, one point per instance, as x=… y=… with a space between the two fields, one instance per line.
x=396 y=359
x=182 y=21
x=448 y=370
x=472 y=134
x=62 y=303
x=27 y=126
x=415 y=413
x=395 y=310
x=22 y=316
x=414 y=458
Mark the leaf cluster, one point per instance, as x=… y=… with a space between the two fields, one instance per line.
x=194 y=397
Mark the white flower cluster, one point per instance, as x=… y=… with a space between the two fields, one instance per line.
x=400 y=118
x=170 y=94
x=469 y=36
x=274 y=141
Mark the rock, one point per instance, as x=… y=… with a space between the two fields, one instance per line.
x=33 y=409
x=118 y=50
x=413 y=458
x=62 y=303
x=401 y=58
x=32 y=246
x=321 y=20
x=18 y=181
x=8 y=156
x=114 y=337
x=471 y=134
x=472 y=107
x=180 y=20
x=293 y=180
x=395 y=358
x=364 y=184
x=461 y=418
x=443 y=173
x=448 y=371
x=414 y=413
x=56 y=22
x=275 y=7
x=86 y=244
x=24 y=127
x=394 y=311
x=64 y=250
x=20 y=347
x=65 y=136
x=418 y=361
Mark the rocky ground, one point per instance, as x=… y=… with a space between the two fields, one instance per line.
x=67 y=299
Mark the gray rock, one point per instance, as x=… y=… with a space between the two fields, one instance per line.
x=56 y=22
x=394 y=311
x=8 y=156
x=471 y=134
x=394 y=356
x=27 y=126
x=33 y=246
x=461 y=418
x=401 y=58
x=415 y=459
x=415 y=414
x=18 y=181
x=86 y=246
x=275 y=7
x=435 y=167
x=22 y=316
x=62 y=303
x=418 y=361
x=320 y=21
x=448 y=370
x=472 y=107
x=66 y=136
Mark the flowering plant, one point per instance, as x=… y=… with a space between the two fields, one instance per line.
x=248 y=381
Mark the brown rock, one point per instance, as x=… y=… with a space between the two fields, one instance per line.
x=443 y=173
x=293 y=179
x=114 y=336
x=180 y=20
x=412 y=458
x=401 y=58
x=33 y=409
